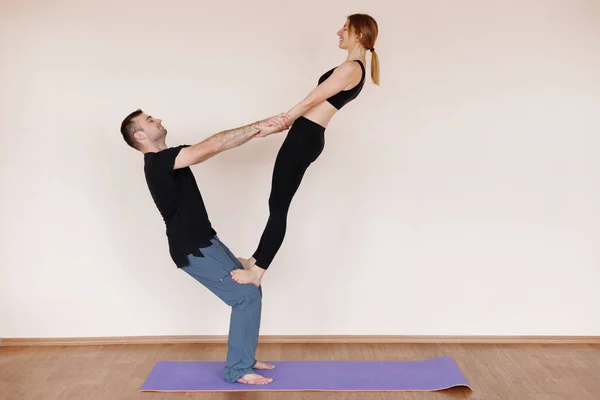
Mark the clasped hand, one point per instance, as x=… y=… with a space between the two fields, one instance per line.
x=274 y=124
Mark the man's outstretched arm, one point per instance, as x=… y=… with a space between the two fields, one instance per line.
x=226 y=140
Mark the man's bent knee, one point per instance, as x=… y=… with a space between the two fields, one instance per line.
x=242 y=294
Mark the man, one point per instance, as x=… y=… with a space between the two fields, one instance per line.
x=193 y=243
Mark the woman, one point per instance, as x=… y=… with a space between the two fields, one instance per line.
x=305 y=140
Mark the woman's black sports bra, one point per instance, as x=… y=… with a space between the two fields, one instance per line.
x=342 y=98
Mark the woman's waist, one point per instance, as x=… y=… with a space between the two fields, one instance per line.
x=321 y=114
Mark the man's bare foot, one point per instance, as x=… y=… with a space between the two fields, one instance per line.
x=263 y=365
x=254 y=379
x=252 y=275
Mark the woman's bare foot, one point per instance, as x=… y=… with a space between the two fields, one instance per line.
x=245 y=262
x=251 y=275
x=254 y=379
x=263 y=365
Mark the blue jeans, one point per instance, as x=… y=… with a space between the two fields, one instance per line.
x=213 y=271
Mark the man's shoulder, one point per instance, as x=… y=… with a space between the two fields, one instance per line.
x=167 y=155
x=168 y=150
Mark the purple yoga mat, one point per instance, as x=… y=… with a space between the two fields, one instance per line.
x=428 y=375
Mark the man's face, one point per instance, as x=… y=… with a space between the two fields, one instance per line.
x=152 y=127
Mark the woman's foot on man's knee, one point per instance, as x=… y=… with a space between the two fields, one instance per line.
x=252 y=275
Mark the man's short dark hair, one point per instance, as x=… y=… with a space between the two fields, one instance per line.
x=129 y=127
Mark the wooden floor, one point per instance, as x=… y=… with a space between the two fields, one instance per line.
x=505 y=372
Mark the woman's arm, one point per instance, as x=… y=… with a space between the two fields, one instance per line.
x=339 y=79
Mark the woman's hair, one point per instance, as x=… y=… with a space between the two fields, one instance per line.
x=365 y=27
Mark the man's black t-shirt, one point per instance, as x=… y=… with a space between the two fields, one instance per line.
x=180 y=203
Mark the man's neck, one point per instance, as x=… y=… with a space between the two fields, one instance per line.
x=155 y=147
x=162 y=146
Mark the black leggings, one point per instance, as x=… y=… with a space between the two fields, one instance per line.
x=303 y=144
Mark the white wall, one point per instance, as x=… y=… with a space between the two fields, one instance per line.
x=460 y=197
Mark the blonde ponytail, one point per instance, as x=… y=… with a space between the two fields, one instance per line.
x=374 y=67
